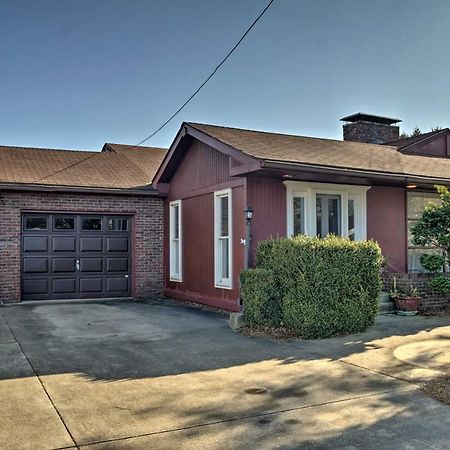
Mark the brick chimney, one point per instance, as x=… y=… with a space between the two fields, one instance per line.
x=361 y=127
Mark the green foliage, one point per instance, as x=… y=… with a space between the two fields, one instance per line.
x=416 y=132
x=261 y=305
x=324 y=287
x=432 y=262
x=433 y=228
x=440 y=285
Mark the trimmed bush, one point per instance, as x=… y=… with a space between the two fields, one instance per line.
x=261 y=306
x=440 y=285
x=324 y=287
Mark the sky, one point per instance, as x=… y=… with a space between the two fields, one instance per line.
x=77 y=74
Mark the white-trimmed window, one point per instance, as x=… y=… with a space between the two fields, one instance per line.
x=223 y=258
x=319 y=209
x=175 y=236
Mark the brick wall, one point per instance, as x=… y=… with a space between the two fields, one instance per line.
x=429 y=300
x=371 y=133
x=148 y=231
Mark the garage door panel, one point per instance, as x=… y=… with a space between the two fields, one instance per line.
x=35 y=265
x=63 y=265
x=91 y=264
x=91 y=285
x=66 y=260
x=119 y=244
x=35 y=244
x=117 y=264
x=117 y=285
x=35 y=286
x=63 y=285
x=91 y=244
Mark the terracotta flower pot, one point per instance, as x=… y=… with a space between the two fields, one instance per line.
x=407 y=306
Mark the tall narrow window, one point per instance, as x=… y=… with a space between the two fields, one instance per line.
x=351 y=219
x=222 y=237
x=299 y=215
x=175 y=240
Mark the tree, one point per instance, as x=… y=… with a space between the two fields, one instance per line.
x=433 y=228
x=416 y=132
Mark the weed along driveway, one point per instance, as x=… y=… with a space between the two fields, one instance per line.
x=161 y=374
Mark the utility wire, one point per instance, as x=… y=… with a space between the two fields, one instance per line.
x=187 y=101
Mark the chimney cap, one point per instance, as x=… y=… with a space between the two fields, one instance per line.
x=364 y=117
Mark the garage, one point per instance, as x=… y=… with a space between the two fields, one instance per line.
x=80 y=224
x=75 y=256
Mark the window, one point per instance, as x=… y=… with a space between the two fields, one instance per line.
x=175 y=240
x=91 y=224
x=416 y=203
x=64 y=223
x=223 y=239
x=117 y=224
x=319 y=209
x=33 y=223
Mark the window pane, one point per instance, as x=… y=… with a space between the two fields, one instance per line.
x=224 y=216
x=176 y=221
x=224 y=257
x=117 y=224
x=175 y=258
x=64 y=223
x=91 y=224
x=299 y=215
x=319 y=216
x=333 y=216
x=351 y=220
x=36 y=223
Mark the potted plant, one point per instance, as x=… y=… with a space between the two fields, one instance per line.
x=407 y=302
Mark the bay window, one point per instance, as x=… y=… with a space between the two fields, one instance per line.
x=319 y=209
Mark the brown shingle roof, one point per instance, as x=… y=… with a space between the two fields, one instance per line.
x=327 y=152
x=117 y=167
x=401 y=143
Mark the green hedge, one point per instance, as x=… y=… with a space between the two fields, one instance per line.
x=317 y=287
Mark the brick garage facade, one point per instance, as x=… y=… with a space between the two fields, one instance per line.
x=147 y=233
x=430 y=301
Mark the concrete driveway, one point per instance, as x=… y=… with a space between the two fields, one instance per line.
x=163 y=375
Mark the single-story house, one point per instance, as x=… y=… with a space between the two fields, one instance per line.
x=93 y=224
x=77 y=224
x=370 y=185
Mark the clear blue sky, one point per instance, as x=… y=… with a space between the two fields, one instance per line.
x=76 y=74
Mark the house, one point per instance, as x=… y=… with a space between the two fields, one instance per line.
x=80 y=224
x=370 y=185
x=93 y=224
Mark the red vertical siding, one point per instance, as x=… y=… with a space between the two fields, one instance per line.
x=203 y=168
x=267 y=197
x=386 y=224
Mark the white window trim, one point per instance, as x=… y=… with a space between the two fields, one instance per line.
x=309 y=191
x=174 y=276
x=219 y=282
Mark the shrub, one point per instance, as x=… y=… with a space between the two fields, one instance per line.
x=323 y=287
x=440 y=285
x=432 y=262
x=261 y=307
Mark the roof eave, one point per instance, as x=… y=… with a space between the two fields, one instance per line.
x=148 y=191
x=375 y=175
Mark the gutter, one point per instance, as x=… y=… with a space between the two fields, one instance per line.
x=77 y=189
x=355 y=172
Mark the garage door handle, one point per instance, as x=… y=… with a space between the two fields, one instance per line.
x=77 y=265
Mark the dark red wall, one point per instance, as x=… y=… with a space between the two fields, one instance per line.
x=267 y=197
x=439 y=146
x=203 y=171
x=386 y=224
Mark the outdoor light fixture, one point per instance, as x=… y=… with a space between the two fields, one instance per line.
x=411 y=186
x=248 y=213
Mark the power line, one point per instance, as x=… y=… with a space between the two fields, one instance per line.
x=187 y=101
x=209 y=76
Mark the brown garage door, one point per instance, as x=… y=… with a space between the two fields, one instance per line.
x=75 y=256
